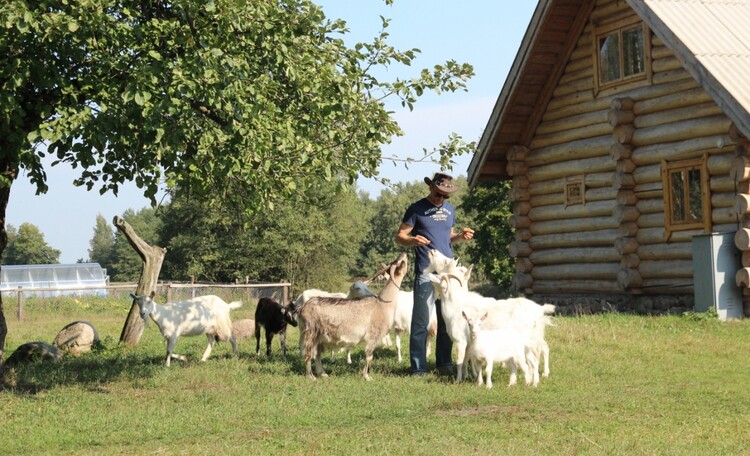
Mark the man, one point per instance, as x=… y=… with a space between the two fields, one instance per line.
x=428 y=224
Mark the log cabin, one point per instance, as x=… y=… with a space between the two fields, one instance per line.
x=623 y=127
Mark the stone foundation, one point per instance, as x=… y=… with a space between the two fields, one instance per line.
x=574 y=304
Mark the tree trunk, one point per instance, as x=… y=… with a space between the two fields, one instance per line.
x=152 y=257
x=9 y=170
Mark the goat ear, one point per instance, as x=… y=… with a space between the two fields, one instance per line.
x=464 y=314
x=153 y=293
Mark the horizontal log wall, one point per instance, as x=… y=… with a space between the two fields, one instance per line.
x=614 y=143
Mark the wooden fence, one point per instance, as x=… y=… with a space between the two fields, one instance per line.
x=168 y=291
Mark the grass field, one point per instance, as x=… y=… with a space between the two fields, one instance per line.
x=620 y=385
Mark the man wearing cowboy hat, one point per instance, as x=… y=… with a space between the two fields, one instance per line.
x=428 y=224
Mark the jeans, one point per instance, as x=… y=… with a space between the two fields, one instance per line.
x=420 y=319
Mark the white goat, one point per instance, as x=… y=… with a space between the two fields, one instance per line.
x=207 y=315
x=454 y=298
x=507 y=345
x=334 y=322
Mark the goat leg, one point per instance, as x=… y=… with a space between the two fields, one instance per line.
x=368 y=361
x=209 y=347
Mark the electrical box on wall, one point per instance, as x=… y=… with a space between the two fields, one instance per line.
x=716 y=261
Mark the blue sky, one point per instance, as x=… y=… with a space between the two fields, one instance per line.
x=484 y=33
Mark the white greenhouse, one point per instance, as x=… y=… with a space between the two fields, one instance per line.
x=55 y=279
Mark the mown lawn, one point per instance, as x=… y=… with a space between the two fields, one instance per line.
x=620 y=384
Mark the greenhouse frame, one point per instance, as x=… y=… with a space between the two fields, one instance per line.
x=55 y=279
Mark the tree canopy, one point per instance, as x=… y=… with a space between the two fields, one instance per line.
x=246 y=102
x=27 y=246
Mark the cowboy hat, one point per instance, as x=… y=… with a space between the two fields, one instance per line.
x=442 y=182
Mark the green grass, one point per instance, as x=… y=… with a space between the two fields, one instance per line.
x=620 y=384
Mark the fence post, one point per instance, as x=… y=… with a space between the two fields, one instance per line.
x=169 y=291
x=20 y=304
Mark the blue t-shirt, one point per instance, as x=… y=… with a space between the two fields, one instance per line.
x=434 y=223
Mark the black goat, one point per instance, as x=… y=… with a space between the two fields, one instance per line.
x=273 y=317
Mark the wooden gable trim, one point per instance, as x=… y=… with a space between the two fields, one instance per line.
x=546 y=95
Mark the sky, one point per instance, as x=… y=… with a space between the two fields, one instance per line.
x=484 y=33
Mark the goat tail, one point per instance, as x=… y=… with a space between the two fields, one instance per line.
x=548 y=309
x=235 y=304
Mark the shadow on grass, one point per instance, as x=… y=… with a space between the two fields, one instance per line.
x=91 y=369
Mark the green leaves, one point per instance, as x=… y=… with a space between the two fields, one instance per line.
x=251 y=104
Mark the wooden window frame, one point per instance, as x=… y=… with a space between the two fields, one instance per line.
x=619 y=26
x=572 y=182
x=667 y=168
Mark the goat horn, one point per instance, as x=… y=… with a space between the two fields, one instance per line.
x=379 y=274
x=453 y=276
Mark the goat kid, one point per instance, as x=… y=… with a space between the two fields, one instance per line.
x=207 y=315
x=332 y=322
x=273 y=318
x=507 y=345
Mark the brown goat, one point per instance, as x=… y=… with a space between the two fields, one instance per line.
x=343 y=323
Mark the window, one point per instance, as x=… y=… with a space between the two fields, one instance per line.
x=621 y=53
x=575 y=192
x=687 y=199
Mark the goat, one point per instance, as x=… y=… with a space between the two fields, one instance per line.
x=338 y=322
x=506 y=345
x=454 y=299
x=207 y=315
x=273 y=317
